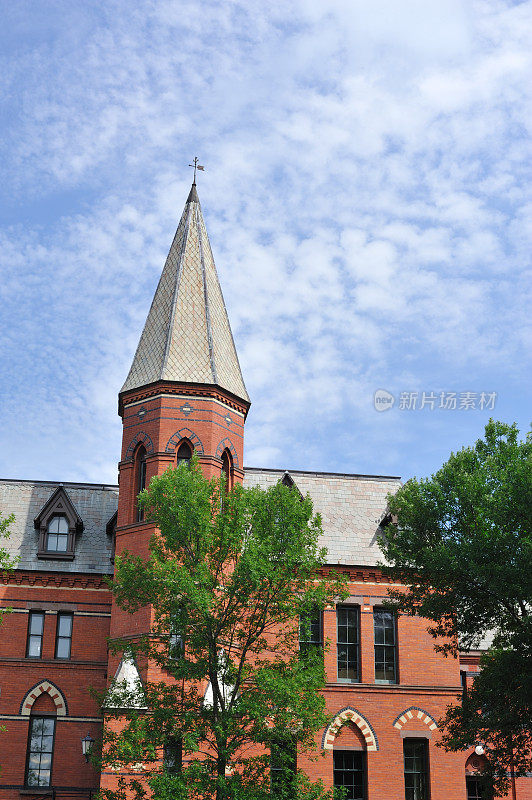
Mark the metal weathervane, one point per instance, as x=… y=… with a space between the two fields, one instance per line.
x=196 y=167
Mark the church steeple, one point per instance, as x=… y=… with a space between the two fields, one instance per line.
x=184 y=392
x=187 y=337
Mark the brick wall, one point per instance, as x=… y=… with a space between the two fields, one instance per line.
x=76 y=711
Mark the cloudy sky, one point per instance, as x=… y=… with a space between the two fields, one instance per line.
x=365 y=194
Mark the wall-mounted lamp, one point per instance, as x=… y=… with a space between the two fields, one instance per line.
x=479 y=749
x=86 y=746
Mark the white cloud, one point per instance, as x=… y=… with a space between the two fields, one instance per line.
x=365 y=195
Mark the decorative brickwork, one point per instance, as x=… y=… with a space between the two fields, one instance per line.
x=345 y=715
x=55 y=693
x=226 y=444
x=140 y=438
x=184 y=433
x=416 y=714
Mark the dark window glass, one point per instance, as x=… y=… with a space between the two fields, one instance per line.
x=385 y=647
x=184 y=454
x=40 y=751
x=175 y=644
x=141 y=478
x=347 y=642
x=173 y=756
x=63 y=636
x=350 y=771
x=35 y=634
x=57 y=535
x=227 y=472
x=283 y=768
x=476 y=790
x=416 y=772
x=310 y=632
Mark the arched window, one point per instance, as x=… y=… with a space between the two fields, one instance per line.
x=227 y=470
x=184 y=454
x=350 y=761
x=40 y=752
x=141 y=477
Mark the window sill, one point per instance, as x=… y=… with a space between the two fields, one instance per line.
x=42 y=790
x=55 y=556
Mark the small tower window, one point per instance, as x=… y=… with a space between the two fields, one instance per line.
x=227 y=470
x=141 y=478
x=184 y=454
x=57 y=535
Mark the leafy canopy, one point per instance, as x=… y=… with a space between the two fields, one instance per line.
x=228 y=576
x=462 y=542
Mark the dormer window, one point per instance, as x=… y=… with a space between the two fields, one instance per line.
x=57 y=535
x=184 y=454
x=58 y=524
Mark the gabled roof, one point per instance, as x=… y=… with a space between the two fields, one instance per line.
x=352 y=508
x=95 y=504
x=59 y=503
x=187 y=337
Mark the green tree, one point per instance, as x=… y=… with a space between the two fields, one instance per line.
x=7 y=562
x=461 y=541
x=228 y=577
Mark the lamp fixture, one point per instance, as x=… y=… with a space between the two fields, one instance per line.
x=86 y=746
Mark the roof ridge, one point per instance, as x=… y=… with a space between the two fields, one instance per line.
x=72 y=484
x=206 y=296
x=177 y=284
x=282 y=471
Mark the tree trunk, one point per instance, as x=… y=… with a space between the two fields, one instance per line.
x=221 y=764
x=512 y=773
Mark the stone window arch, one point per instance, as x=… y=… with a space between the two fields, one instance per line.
x=55 y=693
x=417 y=715
x=345 y=716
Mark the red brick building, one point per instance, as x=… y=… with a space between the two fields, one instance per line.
x=386 y=686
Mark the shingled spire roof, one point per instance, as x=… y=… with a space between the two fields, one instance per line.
x=187 y=336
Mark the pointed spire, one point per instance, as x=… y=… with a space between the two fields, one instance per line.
x=187 y=336
x=193 y=194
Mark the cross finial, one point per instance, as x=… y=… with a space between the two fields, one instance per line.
x=196 y=166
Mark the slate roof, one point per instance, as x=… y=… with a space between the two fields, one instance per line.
x=351 y=507
x=95 y=504
x=187 y=336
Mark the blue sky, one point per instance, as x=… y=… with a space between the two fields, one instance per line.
x=366 y=195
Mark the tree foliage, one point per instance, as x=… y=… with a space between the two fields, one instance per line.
x=462 y=542
x=227 y=578
x=7 y=561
